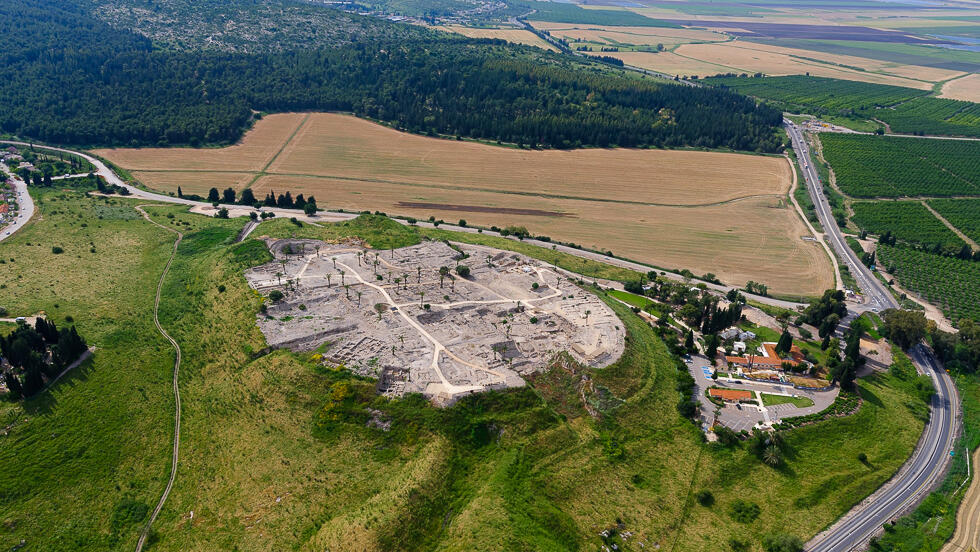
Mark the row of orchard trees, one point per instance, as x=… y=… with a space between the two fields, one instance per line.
x=32 y=355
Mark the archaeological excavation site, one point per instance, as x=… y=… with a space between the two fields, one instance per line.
x=438 y=319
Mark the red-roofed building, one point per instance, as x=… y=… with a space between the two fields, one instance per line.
x=769 y=360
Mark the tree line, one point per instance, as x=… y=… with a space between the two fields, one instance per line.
x=36 y=354
x=66 y=77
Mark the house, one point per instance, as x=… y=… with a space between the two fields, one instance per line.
x=735 y=332
x=730 y=395
x=767 y=359
x=739 y=347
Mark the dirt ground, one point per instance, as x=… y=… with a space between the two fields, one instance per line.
x=392 y=316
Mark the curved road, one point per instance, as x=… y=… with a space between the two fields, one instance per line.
x=926 y=467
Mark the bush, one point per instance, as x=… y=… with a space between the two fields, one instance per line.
x=782 y=543
x=463 y=270
x=705 y=498
x=744 y=512
x=275 y=295
x=57 y=250
x=221 y=288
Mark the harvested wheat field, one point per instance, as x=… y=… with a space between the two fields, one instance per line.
x=723 y=213
x=647 y=36
x=517 y=36
x=966 y=88
x=257 y=148
x=670 y=63
x=193 y=182
x=752 y=58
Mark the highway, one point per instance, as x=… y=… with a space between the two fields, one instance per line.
x=927 y=465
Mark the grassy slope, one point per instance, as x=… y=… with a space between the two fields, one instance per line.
x=102 y=433
x=261 y=473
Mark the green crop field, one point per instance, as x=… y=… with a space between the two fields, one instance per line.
x=964 y=214
x=933 y=116
x=905 y=110
x=275 y=451
x=950 y=283
x=830 y=95
x=909 y=221
x=557 y=12
x=887 y=166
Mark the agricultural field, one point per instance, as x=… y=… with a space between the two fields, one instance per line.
x=710 y=212
x=883 y=166
x=517 y=36
x=951 y=284
x=933 y=116
x=966 y=88
x=827 y=95
x=904 y=110
x=628 y=37
x=748 y=57
x=908 y=221
x=559 y=12
x=964 y=214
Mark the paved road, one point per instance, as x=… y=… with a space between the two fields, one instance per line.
x=24 y=203
x=927 y=465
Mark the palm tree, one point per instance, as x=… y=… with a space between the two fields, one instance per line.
x=452 y=283
x=421 y=296
x=347 y=290
x=772 y=455
x=489 y=259
x=334 y=259
x=359 y=298
x=328 y=279
x=341 y=277
x=443 y=271
x=279 y=275
x=587 y=313
x=376 y=265
x=419 y=268
x=358 y=258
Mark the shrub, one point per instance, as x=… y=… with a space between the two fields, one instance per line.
x=744 y=512
x=57 y=250
x=275 y=295
x=782 y=543
x=705 y=498
x=221 y=288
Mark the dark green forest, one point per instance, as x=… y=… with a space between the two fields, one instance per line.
x=70 y=78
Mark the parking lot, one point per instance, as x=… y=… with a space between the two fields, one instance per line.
x=747 y=415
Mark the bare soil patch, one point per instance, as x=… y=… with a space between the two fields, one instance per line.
x=966 y=88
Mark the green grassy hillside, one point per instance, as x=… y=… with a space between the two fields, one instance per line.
x=276 y=452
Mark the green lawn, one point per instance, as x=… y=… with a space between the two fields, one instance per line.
x=769 y=399
x=276 y=453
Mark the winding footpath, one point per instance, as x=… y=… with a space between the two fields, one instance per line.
x=145 y=533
